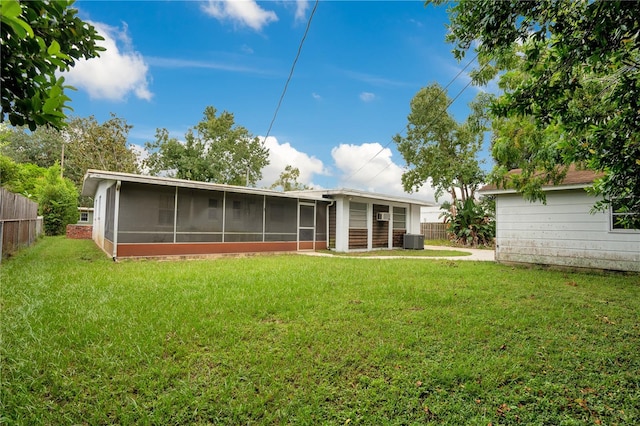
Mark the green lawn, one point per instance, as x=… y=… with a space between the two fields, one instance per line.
x=400 y=253
x=293 y=339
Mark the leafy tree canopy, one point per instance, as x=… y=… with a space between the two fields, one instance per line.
x=439 y=148
x=216 y=150
x=57 y=197
x=93 y=145
x=42 y=147
x=288 y=180
x=87 y=144
x=571 y=85
x=38 y=39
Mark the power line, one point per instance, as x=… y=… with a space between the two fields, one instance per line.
x=293 y=66
x=448 y=105
x=438 y=116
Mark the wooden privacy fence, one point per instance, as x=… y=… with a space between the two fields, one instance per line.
x=434 y=230
x=19 y=222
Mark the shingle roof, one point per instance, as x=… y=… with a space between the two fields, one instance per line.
x=574 y=178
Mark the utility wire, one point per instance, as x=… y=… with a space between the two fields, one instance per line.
x=438 y=116
x=448 y=105
x=293 y=66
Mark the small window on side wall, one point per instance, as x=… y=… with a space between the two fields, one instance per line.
x=623 y=218
x=84 y=217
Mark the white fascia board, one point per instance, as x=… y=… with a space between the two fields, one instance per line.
x=92 y=177
x=544 y=188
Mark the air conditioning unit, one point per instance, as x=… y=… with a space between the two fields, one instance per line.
x=413 y=242
x=384 y=217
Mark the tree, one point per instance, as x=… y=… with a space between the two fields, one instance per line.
x=39 y=39
x=288 y=180
x=57 y=201
x=439 y=148
x=42 y=147
x=83 y=144
x=91 y=145
x=21 y=178
x=580 y=70
x=217 y=151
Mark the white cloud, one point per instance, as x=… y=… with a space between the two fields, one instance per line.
x=281 y=155
x=367 y=96
x=242 y=12
x=315 y=96
x=301 y=10
x=118 y=71
x=370 y=167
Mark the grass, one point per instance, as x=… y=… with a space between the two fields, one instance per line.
x=293 y=339
x=400 y=253
x=449 y=243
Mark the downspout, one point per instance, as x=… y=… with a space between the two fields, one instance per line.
x=116 y=218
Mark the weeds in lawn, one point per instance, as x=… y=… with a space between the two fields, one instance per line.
x=293 y=339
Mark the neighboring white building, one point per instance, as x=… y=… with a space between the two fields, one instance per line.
x=562 y=232
x=431 y=214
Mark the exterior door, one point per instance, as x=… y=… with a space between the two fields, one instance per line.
x=306 y=226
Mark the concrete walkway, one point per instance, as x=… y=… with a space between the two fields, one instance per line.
x=476 y=254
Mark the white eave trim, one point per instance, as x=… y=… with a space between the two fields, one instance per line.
x=544 y=188
x=93 y=177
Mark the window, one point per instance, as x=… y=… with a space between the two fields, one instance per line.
x=623 y=218
x=357 y=215
x=399 y=218
x=84 y=217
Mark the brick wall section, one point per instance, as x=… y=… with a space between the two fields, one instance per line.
x=79 y=232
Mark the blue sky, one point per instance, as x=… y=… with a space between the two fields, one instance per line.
x=360 y=65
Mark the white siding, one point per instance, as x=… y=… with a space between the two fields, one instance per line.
x=99 y=212
x=563 y=232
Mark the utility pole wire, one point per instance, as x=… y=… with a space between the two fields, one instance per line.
x=293 y=66
x=391 y=140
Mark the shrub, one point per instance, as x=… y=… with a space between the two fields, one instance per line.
x=470 y=222
x=58 y=202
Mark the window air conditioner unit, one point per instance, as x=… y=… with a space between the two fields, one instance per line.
x=384 y=217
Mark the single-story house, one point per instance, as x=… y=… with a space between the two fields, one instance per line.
x=564 y=231
x=137 y=216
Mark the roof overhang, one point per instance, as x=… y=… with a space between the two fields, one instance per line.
x=496 y=191
x=355 y=193
x=93 y=178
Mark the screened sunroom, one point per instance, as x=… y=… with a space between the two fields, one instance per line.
x=142 y=216
x=151 y=216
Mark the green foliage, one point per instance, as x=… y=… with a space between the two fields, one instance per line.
x=87 y=145
x=217 y=151
x=57 y=202
x=93 y=145
x=279 y=340
x=288 y=180
x=575 y=82
x=440 y=149
x=42 y=147
x=470 y=222
x=21 y=178
x=38 y=40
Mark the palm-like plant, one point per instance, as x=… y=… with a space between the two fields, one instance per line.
x=470 y=223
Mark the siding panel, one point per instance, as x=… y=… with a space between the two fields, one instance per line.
x=562 y=232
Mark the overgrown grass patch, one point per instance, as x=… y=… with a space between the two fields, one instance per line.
x=293 y=339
